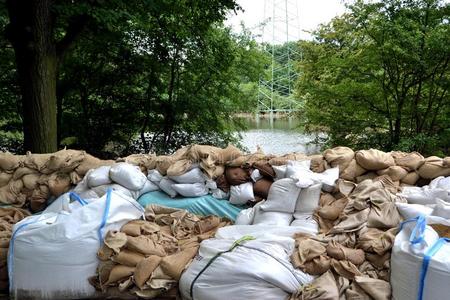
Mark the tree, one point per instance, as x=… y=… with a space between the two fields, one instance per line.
x=379 y=76
x=42 y=31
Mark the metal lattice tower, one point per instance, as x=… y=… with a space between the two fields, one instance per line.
x=280 y=33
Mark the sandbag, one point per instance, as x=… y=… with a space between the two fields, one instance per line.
x=352 y=171
x=283 y=195
x=154 y=176
x=148 y=187
x=282 y=160
x=4 y=178
x=8 y=161
x=410 y=178
x=409 y=161
x=163 y=162
x=441 y=209
x=269 y=259
x=190 y=189
x=236 y=175
x=308 y=199
x=294 y=167
x=59 y=183
x=433 y=167
x=262 y=187
x=99 y=176
x=395 y=172
x=318 y=163
x=409 y=211
x=47 y=241
x=193 y=176
x=90 y=162
x=179 y=167
x=280 y=171
x=339 y=157
x=374 y=159
x=166 y=186
x=102 y=189
x=227 y=154
x=240 y=194
x=128 y=176
x=245 y=216
x=265 y=169
x=306 y=223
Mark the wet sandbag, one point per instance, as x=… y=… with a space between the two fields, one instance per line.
x=236 y=175
x=59 y=183
x=262 y=187
x=433 y=167
x=318 y=163
x=374 y=159
x=265 y=169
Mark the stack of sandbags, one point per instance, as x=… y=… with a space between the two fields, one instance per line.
x=146 y=257
x=32 y=179
x=8 y=217
x=358 y=224
x=121 y=177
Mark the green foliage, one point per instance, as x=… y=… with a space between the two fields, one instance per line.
x=379 y=76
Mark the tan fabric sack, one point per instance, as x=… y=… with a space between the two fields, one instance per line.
x=433 y=167
x=128 y=258
x=395 y=172
x=173 y=265
x=144 y=270
x=9 y=162
x=179 y=167
x=374 y=160
x=339 y=252
x=410 y=161
x=318 y=163
x=352 y=171
x=339 y=156
x=322 y=288
x=4 y=178
x=410 y=178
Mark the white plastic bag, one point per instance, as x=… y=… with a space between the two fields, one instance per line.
x=99 y=176
x=52 y=255
x=219 y=194
x=190 y=189
x=409 y=211
x=280 y=172
x=282 y=196
x=148 y=187
x=102 y=189
x=256 y=269
x=154 y=176
x=166 y=186
x=128 y=176
x=308 y=199
x=441 y=209
x=256 y=175
x=293 y=167
x=240 y=194
x=415 y=243
x=274 y=218
x=245 y=217
x=193 y=176
x=306 y=222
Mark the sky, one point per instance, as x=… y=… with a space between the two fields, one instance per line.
x=311 y=13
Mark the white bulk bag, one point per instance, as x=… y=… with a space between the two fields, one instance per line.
x=240 y=194
x=99 y=176
x=441 y=209
x=190 y=189
x=415 y=243
x=154 y=176
x=424 y=195
x=293 y=167
x=166 y=186
x=409 y=211
x=306 y=222
x=274 y=218
x=245 y=217
x=193 y=176
x=282 y=196
x=255 y=269
x=280 y=172
x=308 y=199
x=52 y=255
x=127 y=175
x=102 y=189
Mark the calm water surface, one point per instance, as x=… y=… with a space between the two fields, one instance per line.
x=281 y=136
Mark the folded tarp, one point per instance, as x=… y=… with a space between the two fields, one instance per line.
x=204 y=205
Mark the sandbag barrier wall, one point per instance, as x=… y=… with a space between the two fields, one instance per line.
x=30 y=180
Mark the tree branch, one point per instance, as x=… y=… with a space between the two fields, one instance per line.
x=76 y=26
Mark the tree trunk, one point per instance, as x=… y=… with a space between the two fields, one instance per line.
x=31 y=34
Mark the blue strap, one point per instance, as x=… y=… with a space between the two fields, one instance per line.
x=417 y=234
x=78 y=198
x=105 y=215
x=426 y=261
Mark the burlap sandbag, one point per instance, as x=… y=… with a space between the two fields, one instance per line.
x=333 y=210
x=36 y=161
x=261 y=187
x=173 y=265
x=345 y=268
x=144 y=161
x=64 y=161
x=433 y=167
x=9 y=162
x=222 y=183
x=128 y=258
x=22 y=171
x=339 y=157
x=228 y=154
x=374 y=159
x=410 y=161
x=179 y=167
x=318 y=163
x=5 y=178
x=375 y=289
x=447 y=161
x=339 y=252
x=395 y=172
x=30 y=181
x=144 y=270
x=90 y=162
x=352 y=171
x=119 y=272
x=145 y=245
x=59 y=183
x=368 y=175
x=236 y=175
x=322 y=288
x=11 y=193
x=39 y=198
x=265 y=169
x=163 y=162
x=282 y=160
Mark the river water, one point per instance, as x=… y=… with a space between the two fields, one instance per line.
x=282 y=135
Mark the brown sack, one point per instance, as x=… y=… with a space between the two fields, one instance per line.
x=410 y=178
x=410 y=161
x=144 y=270
x=395 y=172
x=115 y=240
x=282 y=160
x=368 y=175
x=339 y=252
x=309 y=249
x=374 y=159
x=318 y=163
x=90 y=162
x=333 y=210
x=447 y=161
x=59 y=183
x=4 y=178
x=39 y=198
x=265 y=169
x=9 y=162
x=64 y=160
x=345 y=268
x=30 y=181
x=236 y=175
x=339 y=157
x=377 y=289
x=261 y=187
x=222 y=183
x=228 y=154
x=352 y=171
x=119 y=272
x=173 y=265
x=322 y=288
x=433 y=167
x=145 y=245
x=128 y=258
x=163 y=162
x=179 y=167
